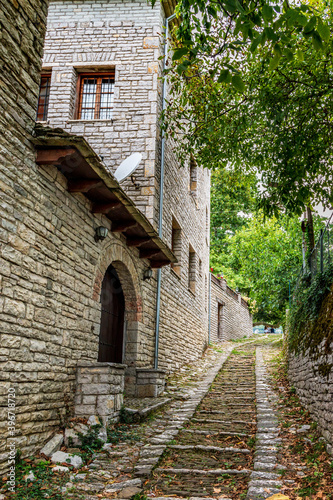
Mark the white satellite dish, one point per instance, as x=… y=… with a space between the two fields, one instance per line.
x=128 y=166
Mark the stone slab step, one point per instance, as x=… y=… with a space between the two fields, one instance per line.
x=219 y=433
x=207 y=421
x=209 y=448
x=207 y=472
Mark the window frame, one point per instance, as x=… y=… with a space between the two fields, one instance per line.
x=98 y=75
x=47 y=75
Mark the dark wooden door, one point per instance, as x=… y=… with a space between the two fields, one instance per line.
x=112 y=320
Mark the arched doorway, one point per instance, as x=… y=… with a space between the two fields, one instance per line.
x=111 y=337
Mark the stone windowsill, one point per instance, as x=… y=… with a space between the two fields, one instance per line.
x=106 y=120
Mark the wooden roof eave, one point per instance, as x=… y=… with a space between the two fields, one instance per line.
x=46 y=137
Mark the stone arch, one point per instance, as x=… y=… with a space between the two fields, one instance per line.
x=120 y=258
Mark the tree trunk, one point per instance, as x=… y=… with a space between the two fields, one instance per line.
x=312 y=256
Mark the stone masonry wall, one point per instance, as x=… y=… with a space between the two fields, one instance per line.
x=236 y=320
x=22 y=30
x=315 y=392
x=52 y=270
x=93 y=35
x=126 y=35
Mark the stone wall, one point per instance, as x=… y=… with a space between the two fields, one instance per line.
x=126 y=36
x=91 y=35
x=23 y=27
x=314 y=391
x=235 y=318
x=52 y=270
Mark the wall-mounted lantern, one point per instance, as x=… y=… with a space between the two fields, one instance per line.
x=148 y=273
x=101 y=233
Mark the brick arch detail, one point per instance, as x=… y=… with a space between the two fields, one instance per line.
x=120 y=258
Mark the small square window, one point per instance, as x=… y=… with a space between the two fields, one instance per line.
x=44 y=96
x=95 y=96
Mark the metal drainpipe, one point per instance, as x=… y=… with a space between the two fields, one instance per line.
x=160 y=220
x=209 y=305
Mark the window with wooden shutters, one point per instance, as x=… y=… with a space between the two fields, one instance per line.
x=95 y=96
x=44 y=96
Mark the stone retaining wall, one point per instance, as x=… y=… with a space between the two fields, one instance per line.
x=314 y=391
x=235 y=317
x=99 y=390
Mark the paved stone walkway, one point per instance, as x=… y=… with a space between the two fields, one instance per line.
x=208 y=442
x=264 y=480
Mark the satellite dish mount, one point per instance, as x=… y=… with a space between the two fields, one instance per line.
x=127 y=168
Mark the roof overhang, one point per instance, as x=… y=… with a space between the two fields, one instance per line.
x=86 y=174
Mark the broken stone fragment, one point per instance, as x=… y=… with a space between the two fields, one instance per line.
x=82 y=428
x=30 y=476
x=53 y=445
x=102 y=435
x=71 y=438
x=303 y=429
x=112 y=488
x=94 y=420
x=61 y=456
x=129 y=492
x=60 y=468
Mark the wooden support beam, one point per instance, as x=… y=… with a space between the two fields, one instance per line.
x=137 y=242
x=104 y=208
x=119 y=227
x=156 y=264
x=83 y=185
x=53 y=156
x=146 y=253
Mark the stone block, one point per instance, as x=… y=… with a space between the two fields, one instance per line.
x=60 y=457
x=71 y=438
x=53 y=445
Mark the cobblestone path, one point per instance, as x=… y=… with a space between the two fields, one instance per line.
x=218 y=438
x=213 y=454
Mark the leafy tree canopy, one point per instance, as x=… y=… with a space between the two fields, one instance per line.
x=278 y=121
x=217 y=31
x=261 y=259
x=233 y=200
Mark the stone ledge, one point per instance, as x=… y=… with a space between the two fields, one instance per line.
x=97 y=364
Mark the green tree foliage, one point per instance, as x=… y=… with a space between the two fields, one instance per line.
x=277 y=122
x=233 y=200
x=262 y=257
x=217 y=32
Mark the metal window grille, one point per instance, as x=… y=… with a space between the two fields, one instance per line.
x=43 y=99
x=96 y=97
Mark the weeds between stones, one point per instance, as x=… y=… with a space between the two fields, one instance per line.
x=307 y=464
x=219 y=413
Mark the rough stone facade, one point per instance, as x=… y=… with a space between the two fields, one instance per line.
x=51 y=266
x=99 y=390
x=315 y=391
x=22 y=35
x=91 y=35
x=230 y=315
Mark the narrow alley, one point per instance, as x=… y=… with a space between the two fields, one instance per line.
x=224 y=432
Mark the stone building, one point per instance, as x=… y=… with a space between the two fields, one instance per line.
x=230 y=317
x=80 y=254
